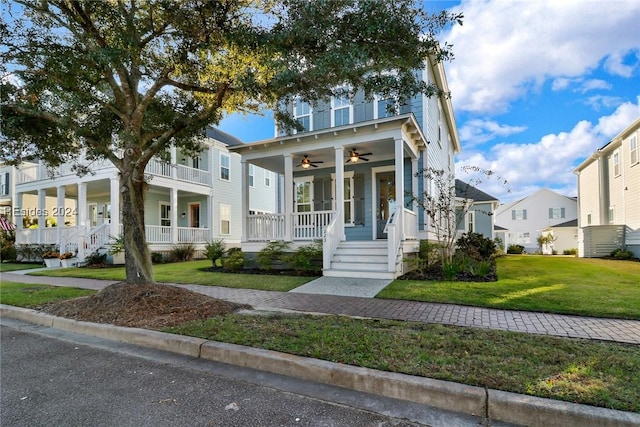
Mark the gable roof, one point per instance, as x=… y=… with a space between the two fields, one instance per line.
x=472 y=193
x=227 y=139
x=572 y=223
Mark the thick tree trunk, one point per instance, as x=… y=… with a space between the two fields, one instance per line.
x=138 y=264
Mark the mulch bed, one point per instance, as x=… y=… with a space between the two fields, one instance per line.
x=145 y=306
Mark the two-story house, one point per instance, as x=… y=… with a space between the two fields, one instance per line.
x=522 y=221
x=188 y=200
x=609 y=196
x=349 y=175
x=476 y=214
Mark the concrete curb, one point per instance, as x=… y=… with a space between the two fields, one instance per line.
x=490 y=404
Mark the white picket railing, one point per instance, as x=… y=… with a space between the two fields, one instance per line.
x=410 y=225
x=193 y=235
x=310 y=225
x=394 y=240
x=27 y=174
x=158 y=234
x=199 y=176
x=330 y=241
x=158 y=167
x=265 y=227
x=96 y=238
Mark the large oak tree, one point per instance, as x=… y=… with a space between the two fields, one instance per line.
x=123 y=80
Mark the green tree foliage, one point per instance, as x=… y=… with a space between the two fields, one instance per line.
x=124 y=79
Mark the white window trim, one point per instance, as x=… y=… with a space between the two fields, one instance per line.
x=615 y=161
x=301 y=180
x=309 y=114
x=634 y=151
x=334 y=108
x=472 y=215
x=221 y=155
x=347 y=175
x=252 y=175
x=160 y=205
x=221 y=205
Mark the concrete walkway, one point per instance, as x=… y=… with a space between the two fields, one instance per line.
x=618 y=330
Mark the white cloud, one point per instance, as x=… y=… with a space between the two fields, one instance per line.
x=506 y=48
x=615 y=64
x=475 y=132
x=598 y=102
x=593 y=84
x=548 y=162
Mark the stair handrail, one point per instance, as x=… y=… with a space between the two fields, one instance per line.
x=394 y=240
x=330 y=241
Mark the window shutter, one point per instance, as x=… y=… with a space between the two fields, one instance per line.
x=550 y=213
x=524 y=214
x=513 y=214
x=562 y=213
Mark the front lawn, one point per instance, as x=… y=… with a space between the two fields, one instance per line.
x=556 y=284
x=30 y=295
x=192 y=272
x=7 y=267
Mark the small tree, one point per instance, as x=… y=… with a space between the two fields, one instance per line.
x=544 y=240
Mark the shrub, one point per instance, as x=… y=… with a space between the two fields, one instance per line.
x=572 y=251
x=96 y=259
x=430 y=252
x=476 y=246
x=622 y=254
x=67 y=255
x=515 y=249
x=302 y=259
x=183 y=252
x=8 y=253
x=215 y=251
x=272 y=252
x=157 y=258
x=234 y=261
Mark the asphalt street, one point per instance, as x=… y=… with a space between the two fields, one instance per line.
x=56 y=378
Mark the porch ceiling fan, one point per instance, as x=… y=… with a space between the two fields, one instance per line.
x=354 y=156
x=306 y=163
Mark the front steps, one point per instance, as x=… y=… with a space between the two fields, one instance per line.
x=362 y=259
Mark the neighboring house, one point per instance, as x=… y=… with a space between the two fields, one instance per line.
x=188 y=200
x=366 y=158
x=609 y=196
x=479 y=213
x=565 y=237
x=524 y=220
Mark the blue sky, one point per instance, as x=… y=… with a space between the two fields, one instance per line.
x=536 y=87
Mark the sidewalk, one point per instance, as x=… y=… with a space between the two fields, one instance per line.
x=618 y=330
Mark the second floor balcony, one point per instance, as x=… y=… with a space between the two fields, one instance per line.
x=35 y=172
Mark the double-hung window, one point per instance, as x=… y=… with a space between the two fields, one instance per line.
x=302 y=113
x=348 y=202
x=304 y=194
x=252 y=173
x=225 y=167
x=616 y=163
x=225 y=219
x=556 y=213
x=165 y=214
x=341 y=110
x=633 y=150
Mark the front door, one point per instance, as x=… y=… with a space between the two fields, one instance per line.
x=386 y=200
x=194 y=215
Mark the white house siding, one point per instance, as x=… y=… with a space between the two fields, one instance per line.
x=263 y=198
x=590 y=196
x=631 y=182
x=532 y=215
x=226 y=193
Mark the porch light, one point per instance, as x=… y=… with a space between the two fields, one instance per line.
x=353 y=157
x=306 y=165
x=184 y=214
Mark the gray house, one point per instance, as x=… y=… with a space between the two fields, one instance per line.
x=480 y=206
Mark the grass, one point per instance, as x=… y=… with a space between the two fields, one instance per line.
x=589 y=372
x=568 y=285
x=6 y=267
x=30 y=295
x=192 y=272
x=592 y=373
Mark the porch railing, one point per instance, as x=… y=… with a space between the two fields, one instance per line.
x=158 y=167
x=158 y=234
x=193 y=235
x=311 y=225
x=410 y=224
x=185 y=173
x=330 y=242
x=265 y=227
x=394 y=240
x=97 y=238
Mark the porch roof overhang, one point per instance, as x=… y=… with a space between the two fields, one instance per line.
x=375 y=136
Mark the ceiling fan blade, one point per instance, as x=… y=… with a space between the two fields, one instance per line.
x=362 y=158
x=365 y=154
x=348 y=160
x=318 y=161
x=314 y=165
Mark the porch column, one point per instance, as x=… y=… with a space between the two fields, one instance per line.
x=16 y=214
x=42 y=219
x=399 y=160
x=414 y=183
x=174 y=162
x=339 y=153
x=244 y=200
x=82 y=218
x=173 y=201
x=114 y=226
x=60 y=213
x=288 y=197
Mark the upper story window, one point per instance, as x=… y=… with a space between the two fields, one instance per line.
x=252 y=173
x=556 y=213
x=4 y=184
x=267 y=178
x=387 y=108
x=616 y=163
x=519 y=214
x=225 y=167
x=302 y=113
x=588 y=219
x=341 y=110
x=633 y=150
x=195 y=162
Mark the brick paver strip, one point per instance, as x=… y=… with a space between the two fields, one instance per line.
x=619 y=330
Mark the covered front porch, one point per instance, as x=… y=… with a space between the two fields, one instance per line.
x=342 y=185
